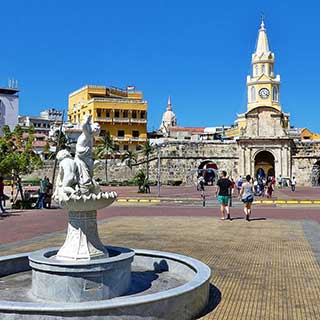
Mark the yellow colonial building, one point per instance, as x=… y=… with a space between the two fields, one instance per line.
x=121 y=112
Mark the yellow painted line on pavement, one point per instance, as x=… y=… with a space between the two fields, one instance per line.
x=144 y=200
x=155 y=200
x=292 y=202
x=279 y=201
x=257 y=201
x=267 y=201
x=133 y=200
x=316 y=201
x=121 y=200
x=306 y=202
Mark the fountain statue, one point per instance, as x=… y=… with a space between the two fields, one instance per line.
x=78 y=192
x=85 y=279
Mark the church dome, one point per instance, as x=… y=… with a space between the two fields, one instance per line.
x=168 y=118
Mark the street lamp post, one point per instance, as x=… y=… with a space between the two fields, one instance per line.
x=57 y=149
x=159 y=171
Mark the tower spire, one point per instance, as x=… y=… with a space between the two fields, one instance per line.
x=169 y=106
x=262 y=42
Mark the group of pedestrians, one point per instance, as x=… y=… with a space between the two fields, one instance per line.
x=247 y=189
x=45 y=194
x=224 y=193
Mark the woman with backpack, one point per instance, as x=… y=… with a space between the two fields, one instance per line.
x=246 y=194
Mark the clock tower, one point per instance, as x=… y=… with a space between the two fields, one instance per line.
x=263 y=86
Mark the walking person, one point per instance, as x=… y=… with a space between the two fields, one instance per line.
x=200 y=187
x=293 y=183
x=2 y=195
x=223 y=193
x=42 y=193
x=279 y=181
x=233 y=185
x=246 y=194
x=239 y=185
x=269 y=189
x=48 y=195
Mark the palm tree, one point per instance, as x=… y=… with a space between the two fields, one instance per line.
x=105 y=148
x=130 y=158
x=146 y=150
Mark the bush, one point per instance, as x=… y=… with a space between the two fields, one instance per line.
x=31 y=181
x=174 y=182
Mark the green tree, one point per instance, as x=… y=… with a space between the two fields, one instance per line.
x=63 y=141
x=140 y=180
x=46 y=148
x=130 y=158
x=22 y=162
x=146 y=150
x=6 y=132
x=104 y=149
x=18 y=135
x=30 y=139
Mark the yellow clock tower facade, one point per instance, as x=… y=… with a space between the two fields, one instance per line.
x=263 y=86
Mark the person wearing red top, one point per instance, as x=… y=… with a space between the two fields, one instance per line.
x=1 y=194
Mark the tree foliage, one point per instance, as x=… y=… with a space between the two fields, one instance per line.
x=16 y=157
x=104 y=149
x=130 y=158
x=146 y=150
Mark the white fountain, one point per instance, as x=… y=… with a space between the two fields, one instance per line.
x=85 y=279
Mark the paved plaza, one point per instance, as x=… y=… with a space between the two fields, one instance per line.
x=267 y=268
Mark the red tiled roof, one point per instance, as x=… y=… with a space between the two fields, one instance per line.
x=39 y=143
x=37 y=135
x=188 y=129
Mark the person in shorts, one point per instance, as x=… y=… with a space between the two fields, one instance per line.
x=223 y=193
x=239 y=185
x=247 y=196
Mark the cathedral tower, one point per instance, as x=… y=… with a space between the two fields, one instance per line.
x=263 y=86
x=168 y=118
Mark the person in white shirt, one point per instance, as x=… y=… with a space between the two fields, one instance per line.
x=293 y=184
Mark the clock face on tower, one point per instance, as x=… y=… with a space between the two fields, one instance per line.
x=264 y=93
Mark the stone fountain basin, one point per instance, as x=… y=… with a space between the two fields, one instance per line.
x=89 y=203
x=164 y=286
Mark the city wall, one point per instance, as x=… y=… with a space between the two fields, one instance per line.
x=180 y=161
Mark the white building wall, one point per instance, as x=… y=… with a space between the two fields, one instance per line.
x=9 y=110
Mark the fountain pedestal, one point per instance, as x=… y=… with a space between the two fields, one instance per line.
x=83 y=269
x=79 y=281
x=82 y=241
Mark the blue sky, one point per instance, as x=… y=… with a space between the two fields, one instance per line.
x=196 y=51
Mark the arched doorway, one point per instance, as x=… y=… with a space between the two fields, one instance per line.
x=210 y=171
x=264 y=164
x=315 y=174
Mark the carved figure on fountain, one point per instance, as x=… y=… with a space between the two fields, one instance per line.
x=83 y=156
x=67 y=180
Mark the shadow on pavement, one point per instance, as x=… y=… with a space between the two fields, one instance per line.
x=257 y=219
x=8 y=215
x=214 y=300
x=237 y=218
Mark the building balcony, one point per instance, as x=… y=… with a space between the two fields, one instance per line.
x=123 y=120
x=138 y=139
x=103 y=119
x=133 y=120
x=121 y=139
